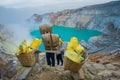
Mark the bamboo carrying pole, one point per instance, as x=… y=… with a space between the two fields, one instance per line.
x=51 y=41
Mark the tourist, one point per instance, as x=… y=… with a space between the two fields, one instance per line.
x=62 y=51
x=59 y=56
x=37 y=55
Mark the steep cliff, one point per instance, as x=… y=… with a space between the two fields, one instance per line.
x=97 y=17
x=102 y=17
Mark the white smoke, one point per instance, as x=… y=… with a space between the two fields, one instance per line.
x=20 y=32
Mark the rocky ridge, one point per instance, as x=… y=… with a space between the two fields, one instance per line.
x=96 y=17
x=104 y=66
x=103 y=17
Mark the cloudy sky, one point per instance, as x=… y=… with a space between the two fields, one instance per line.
x=39 y=3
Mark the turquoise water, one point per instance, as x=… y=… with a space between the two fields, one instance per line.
x=66 y=33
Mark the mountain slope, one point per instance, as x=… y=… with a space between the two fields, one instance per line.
x=92 y=17
x=96 y=17
x=103 y=17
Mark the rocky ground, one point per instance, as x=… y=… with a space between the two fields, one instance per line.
x=102 y=43
x=105 y=66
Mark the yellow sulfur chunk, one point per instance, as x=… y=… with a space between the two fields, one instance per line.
x=73 y=56
x=75 y=42
x=23 y=48
x=79 y=49
x=35 y=43
x=27 y=50
x=70 y=47
x=60 y=41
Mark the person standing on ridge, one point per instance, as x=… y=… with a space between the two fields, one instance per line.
x=59 y=53
x=59 y=56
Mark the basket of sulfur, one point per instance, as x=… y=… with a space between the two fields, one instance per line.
x=25 y=54
x=75 y=56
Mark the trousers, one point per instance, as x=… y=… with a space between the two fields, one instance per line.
x=59 y=59
x=50 y=57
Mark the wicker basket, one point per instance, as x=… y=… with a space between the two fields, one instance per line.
x=51 y=41
x=27 y=59
x=73 y=66
x=46 y=28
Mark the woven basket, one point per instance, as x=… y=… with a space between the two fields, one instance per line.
x=73 y=66
x=27 y=59
x=46 y=28
x=51 y=41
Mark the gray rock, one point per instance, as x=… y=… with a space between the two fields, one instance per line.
x=109 y=75
x=24 y=74
x=110 y=66
x=9 y=70
x=98 y=66
x=105 y=73
x=92 y=70
x=92 y=77
x=87 y=65
x=116 y=74
x=75 y=76
x=81 y=74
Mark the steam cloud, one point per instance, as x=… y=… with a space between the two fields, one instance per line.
x=20 y=32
